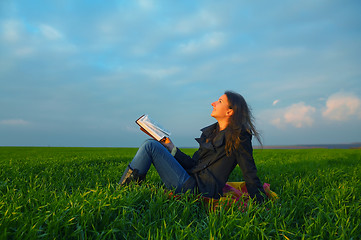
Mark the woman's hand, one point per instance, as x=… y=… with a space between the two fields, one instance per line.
x=167 y=143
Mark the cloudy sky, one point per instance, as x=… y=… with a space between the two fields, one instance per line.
x=78 y=73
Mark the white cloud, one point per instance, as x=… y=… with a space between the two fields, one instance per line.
x=342 y=106
x=14 y=122
x=285 y=52
x=197 y=22
x=23 y=51
x=298 y=115
x=50 y=32
x=277 y=122
x=207 y=42
x=161 y=73
x=146 y=4
x=275 y=102
x=24 y=39
x=11 y=30
x=339 y=107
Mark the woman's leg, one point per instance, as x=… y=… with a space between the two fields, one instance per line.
x=170 y=171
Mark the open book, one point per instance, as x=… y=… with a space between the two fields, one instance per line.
x=152 y=128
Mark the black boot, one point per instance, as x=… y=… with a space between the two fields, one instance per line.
x=131 y=175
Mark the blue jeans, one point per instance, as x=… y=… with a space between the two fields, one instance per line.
x=173 y=175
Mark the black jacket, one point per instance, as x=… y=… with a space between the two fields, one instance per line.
x=211 y=167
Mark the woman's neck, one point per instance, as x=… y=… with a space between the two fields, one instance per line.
x=222 y=125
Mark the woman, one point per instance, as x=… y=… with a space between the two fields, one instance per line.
x=222 y=146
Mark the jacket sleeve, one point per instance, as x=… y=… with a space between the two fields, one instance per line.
x=248 y=167
x=186 y=161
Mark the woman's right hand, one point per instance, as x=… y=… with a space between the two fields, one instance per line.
x=167 y=143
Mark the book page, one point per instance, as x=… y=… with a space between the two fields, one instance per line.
x=152 y=127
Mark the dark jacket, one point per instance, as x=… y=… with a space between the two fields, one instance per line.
x=211 y=167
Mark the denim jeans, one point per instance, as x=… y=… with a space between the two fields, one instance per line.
x=173 y=175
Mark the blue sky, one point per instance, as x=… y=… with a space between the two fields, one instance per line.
x=78 y=73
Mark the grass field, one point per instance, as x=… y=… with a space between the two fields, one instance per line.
x=71 y=193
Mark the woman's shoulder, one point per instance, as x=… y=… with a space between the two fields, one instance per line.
x=246 y=139
x=246 y=133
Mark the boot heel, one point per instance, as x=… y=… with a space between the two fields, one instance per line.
x=131 y=175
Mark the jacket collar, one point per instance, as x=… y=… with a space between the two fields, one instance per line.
x=207 y=131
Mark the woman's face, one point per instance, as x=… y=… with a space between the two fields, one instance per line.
x=221 y=108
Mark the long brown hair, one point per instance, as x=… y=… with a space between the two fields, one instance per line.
x=241 y=120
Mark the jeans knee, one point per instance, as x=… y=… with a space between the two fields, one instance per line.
x=150 y=144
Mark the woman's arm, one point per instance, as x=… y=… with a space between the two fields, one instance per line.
x=186 y=161
x=248 y=167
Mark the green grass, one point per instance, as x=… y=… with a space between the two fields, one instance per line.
x=71 y=193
